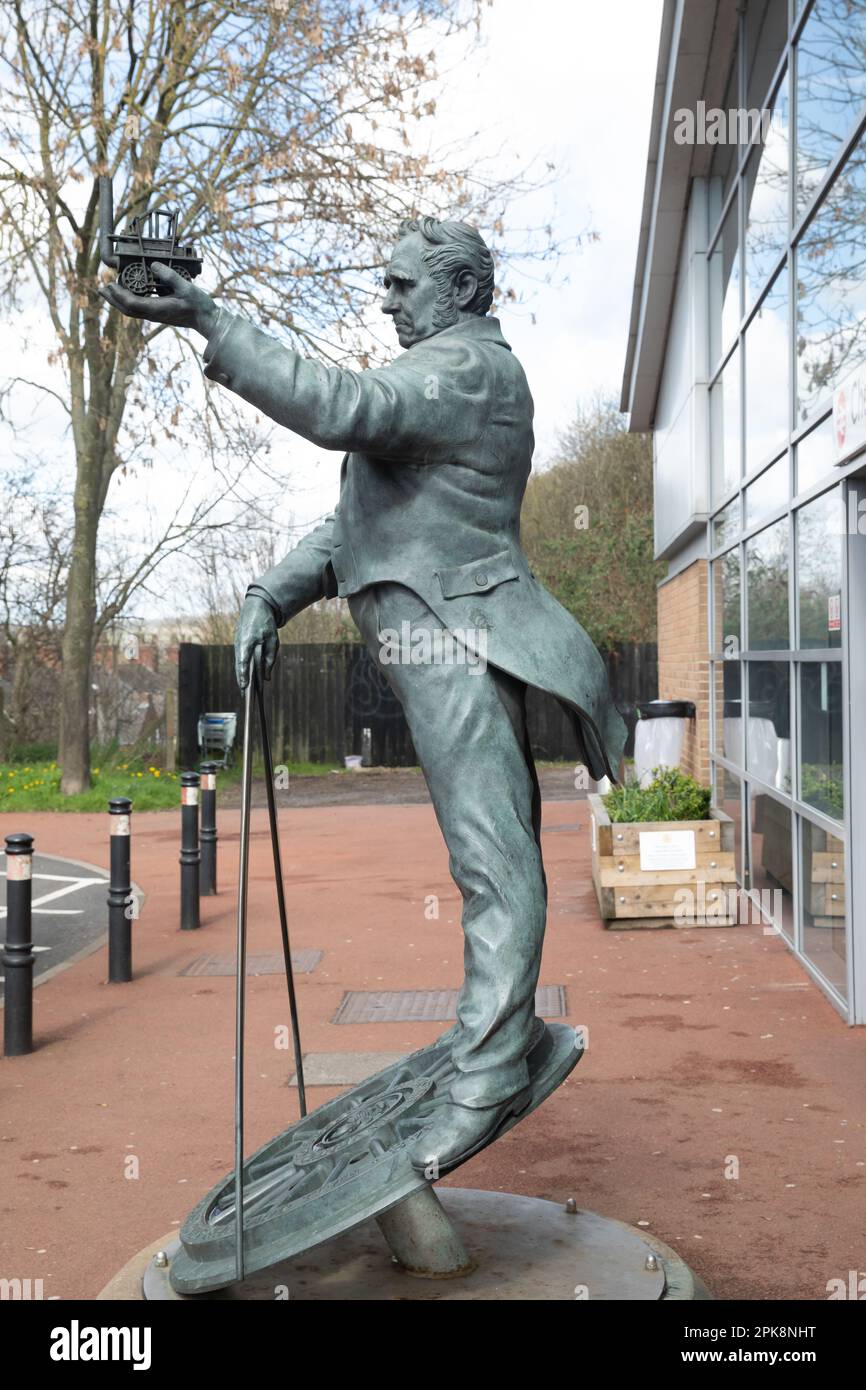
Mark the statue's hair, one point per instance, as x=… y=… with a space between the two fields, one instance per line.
x=454 y=247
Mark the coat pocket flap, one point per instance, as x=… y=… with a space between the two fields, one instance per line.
x=478 y=576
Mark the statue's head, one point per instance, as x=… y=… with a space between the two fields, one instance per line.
x=439 y=273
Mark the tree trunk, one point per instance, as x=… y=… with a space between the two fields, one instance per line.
x=16 y=714
x=74 y=755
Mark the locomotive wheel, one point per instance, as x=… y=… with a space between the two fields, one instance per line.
x=182 y=271
x=342 y=1164
x=134 y=278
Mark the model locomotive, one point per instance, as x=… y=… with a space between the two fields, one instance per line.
x=148 y=239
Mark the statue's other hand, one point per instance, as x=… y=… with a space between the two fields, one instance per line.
x=187 y=306
x=256 y=627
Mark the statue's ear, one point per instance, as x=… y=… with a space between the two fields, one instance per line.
x=465 y=289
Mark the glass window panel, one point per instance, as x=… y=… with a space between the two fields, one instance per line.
x=767 y=409
x=729 y=715
x=768 y=738
x=725 y=159
x=724 y=273
x=728 y=799
x=816 y=455
x=766 y=36
x=771 y=860
x=766 y=193
x=822 y=782
x=725 y=428
x=767 y=493
x=767 y=589
x=831 y=88
x=727 y=524
x=823 y=896
x=726 y=603
x=819 y=570
x=831 y=287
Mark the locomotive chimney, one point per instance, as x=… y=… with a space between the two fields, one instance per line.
x=106 y=222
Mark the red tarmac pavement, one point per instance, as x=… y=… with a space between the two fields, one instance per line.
x=708 y=1050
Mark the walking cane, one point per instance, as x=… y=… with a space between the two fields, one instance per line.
x=281 y=900
x=255 y=684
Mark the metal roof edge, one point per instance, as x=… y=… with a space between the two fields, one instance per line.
x=693 y=32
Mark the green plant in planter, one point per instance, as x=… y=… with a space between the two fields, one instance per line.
x=822 y=787
x=671 y=795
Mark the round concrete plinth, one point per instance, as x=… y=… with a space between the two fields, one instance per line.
x=522 y=1248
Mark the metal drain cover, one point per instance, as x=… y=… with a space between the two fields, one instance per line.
x=429 y=1005
x=270 y=963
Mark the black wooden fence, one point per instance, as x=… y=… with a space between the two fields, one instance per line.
x=322 y=695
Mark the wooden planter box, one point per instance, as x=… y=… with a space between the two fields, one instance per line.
x=630 y=897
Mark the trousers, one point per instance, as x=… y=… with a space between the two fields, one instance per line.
x=468 y=725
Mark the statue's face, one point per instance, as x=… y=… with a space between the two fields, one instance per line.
x=411 y=292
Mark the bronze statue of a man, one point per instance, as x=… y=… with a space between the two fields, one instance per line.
x=438 y=448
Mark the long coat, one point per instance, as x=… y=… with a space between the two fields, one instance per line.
x=438 y=451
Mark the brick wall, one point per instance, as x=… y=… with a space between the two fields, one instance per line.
x=684 y=667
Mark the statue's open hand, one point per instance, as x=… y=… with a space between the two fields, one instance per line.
x=187 y=307
x=256 y=627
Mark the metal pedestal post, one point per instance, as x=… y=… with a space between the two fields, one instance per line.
x=422 y=1239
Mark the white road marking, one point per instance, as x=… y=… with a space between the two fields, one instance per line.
x=62 y=878
x=71 y=886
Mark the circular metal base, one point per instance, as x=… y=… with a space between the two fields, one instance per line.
x=522 y=1248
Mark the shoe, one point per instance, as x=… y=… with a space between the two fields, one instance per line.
x=459 y=1131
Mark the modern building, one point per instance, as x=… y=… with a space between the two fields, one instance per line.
x=747 y=361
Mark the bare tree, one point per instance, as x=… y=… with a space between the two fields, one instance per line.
x=223 y=562
x=280 y=127
x=35 y=544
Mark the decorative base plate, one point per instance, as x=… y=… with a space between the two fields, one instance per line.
x=342 y=1164
x=523 y=1248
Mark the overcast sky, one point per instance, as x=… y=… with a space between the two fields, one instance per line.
x=570 y=83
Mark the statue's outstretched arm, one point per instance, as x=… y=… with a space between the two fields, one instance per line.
x=421 y=407
x=430 y=401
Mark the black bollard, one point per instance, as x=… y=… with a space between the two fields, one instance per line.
x=18 y=948
x=120 y=902
x=208 y=829
x=190 y=855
